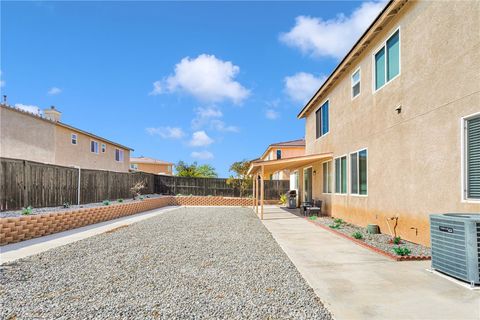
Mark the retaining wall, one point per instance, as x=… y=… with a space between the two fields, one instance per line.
x=17 y=229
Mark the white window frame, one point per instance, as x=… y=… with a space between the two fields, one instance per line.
x=76 y=139
x=303 y=183
x=134 y=166
x=463 y=162
x=358 y=174
x=335 y=177
x=384 y=46
x=315 y=117
x=354 y=83
x=94 y=152
x=103 y=148
x=121 y=155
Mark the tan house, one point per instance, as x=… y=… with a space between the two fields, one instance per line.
x=283 y=150
x=44 y=138
x=151 y=165
x=394 y=132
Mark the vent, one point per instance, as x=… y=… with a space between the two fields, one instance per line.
x=456 y=246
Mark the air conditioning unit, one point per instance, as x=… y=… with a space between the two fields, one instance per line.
x=455 y=240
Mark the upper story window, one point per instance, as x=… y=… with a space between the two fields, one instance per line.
x=341 y=175
x=321 y=120
x=327 y=177
x=387 y=61
x=356 y=83
x=358 y=172
x=119 y=155
x=94 y=146
x=74 y=138
x=472 y=158
x=279 y=154
x=134 y=166
x=104 y=147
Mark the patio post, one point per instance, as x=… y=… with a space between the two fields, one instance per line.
x=253 y=192
x=262 y=192
x=256 y=194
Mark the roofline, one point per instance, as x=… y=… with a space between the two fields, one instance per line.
x=347 y=57
x=136 y=160
x=278 y=144
x=61 y=124
x=316 y=156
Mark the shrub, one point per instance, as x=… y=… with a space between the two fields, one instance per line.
x=179 y=195
x=137 y=189
x=120 y=200
x=313 y=218
x=397 y=240
x=357 y=235
x=66 y=204
x=106 y=202
x=402 y=251
x=335 y=226
x=338 y=221
x=28 y=210
x=283 y=199
x=141 y=197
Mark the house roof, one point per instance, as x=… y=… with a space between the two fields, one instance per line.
x=285 y=144
x=147 y=160
x=64 y=125
x=384 y=17
x=270 y=166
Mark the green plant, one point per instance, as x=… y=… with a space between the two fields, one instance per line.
x=397 y=240
x=66 y=204
x=179 y=195
x=402 y=251
x=120 y=200
x=106 y=202
x=338 y=221
x=283 y=199
x=313 y=218
x=335 y=226
x=194 y=170
x=141 y=197
x=357 y=235
x=28 y=210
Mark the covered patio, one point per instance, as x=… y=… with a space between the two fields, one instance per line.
x=259 y=169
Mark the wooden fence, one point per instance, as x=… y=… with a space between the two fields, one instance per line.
x=27 y=183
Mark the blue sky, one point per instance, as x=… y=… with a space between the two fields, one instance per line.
x=213 y=82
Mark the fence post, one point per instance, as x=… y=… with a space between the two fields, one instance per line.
x=25 y=184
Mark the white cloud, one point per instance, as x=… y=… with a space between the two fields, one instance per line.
x=2 y=82
x=200 y=139
x=166 y=132
x=219 y=125
x=271 y=114
x=302 y=86
x=333 y=37
x=204 y=77
x=28 y=108
x=209 y=112
x=54 y=91
x=202 y=155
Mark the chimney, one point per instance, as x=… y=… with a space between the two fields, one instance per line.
x=52 y=114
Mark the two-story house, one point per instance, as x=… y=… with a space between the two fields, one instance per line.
x=394 y=132
x=151 y=165
x=44 y=138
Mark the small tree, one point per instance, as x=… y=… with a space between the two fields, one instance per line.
x=194 y=170
x=137 y=189
x=240 y=179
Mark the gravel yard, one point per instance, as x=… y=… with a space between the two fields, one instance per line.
x=190 y=263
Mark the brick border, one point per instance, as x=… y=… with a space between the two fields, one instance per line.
x=370 y=247
x=22 y=228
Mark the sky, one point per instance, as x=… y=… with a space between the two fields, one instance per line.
x=212 y=82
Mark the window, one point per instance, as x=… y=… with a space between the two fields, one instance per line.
x=472 y=158
x=134 y=166
x=387 y=61
x=279 y=154
x=74 y=138
x=358 y=172
x=104 y=147
x=327 y=177
x=118 y=155
x=94 y=146
x=356 y=83
x=341 y=175
x=321 y=120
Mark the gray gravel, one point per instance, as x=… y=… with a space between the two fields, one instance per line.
x=18 y=213
x=380 y=241
x=190 y=263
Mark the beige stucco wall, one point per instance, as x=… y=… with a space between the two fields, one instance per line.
x=68 y=154
x=154 y=168
x=24 y=137
x=414 y=158
x=287 y=152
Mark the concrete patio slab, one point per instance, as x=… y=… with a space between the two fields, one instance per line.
x=356 y=283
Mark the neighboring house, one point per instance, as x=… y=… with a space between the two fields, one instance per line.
x=46 y=139
x=282 y=150
x=151 y=165
x=394 y=132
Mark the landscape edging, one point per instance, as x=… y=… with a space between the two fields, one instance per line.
x=16 y=229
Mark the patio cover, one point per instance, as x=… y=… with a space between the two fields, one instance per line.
x=259 y=168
